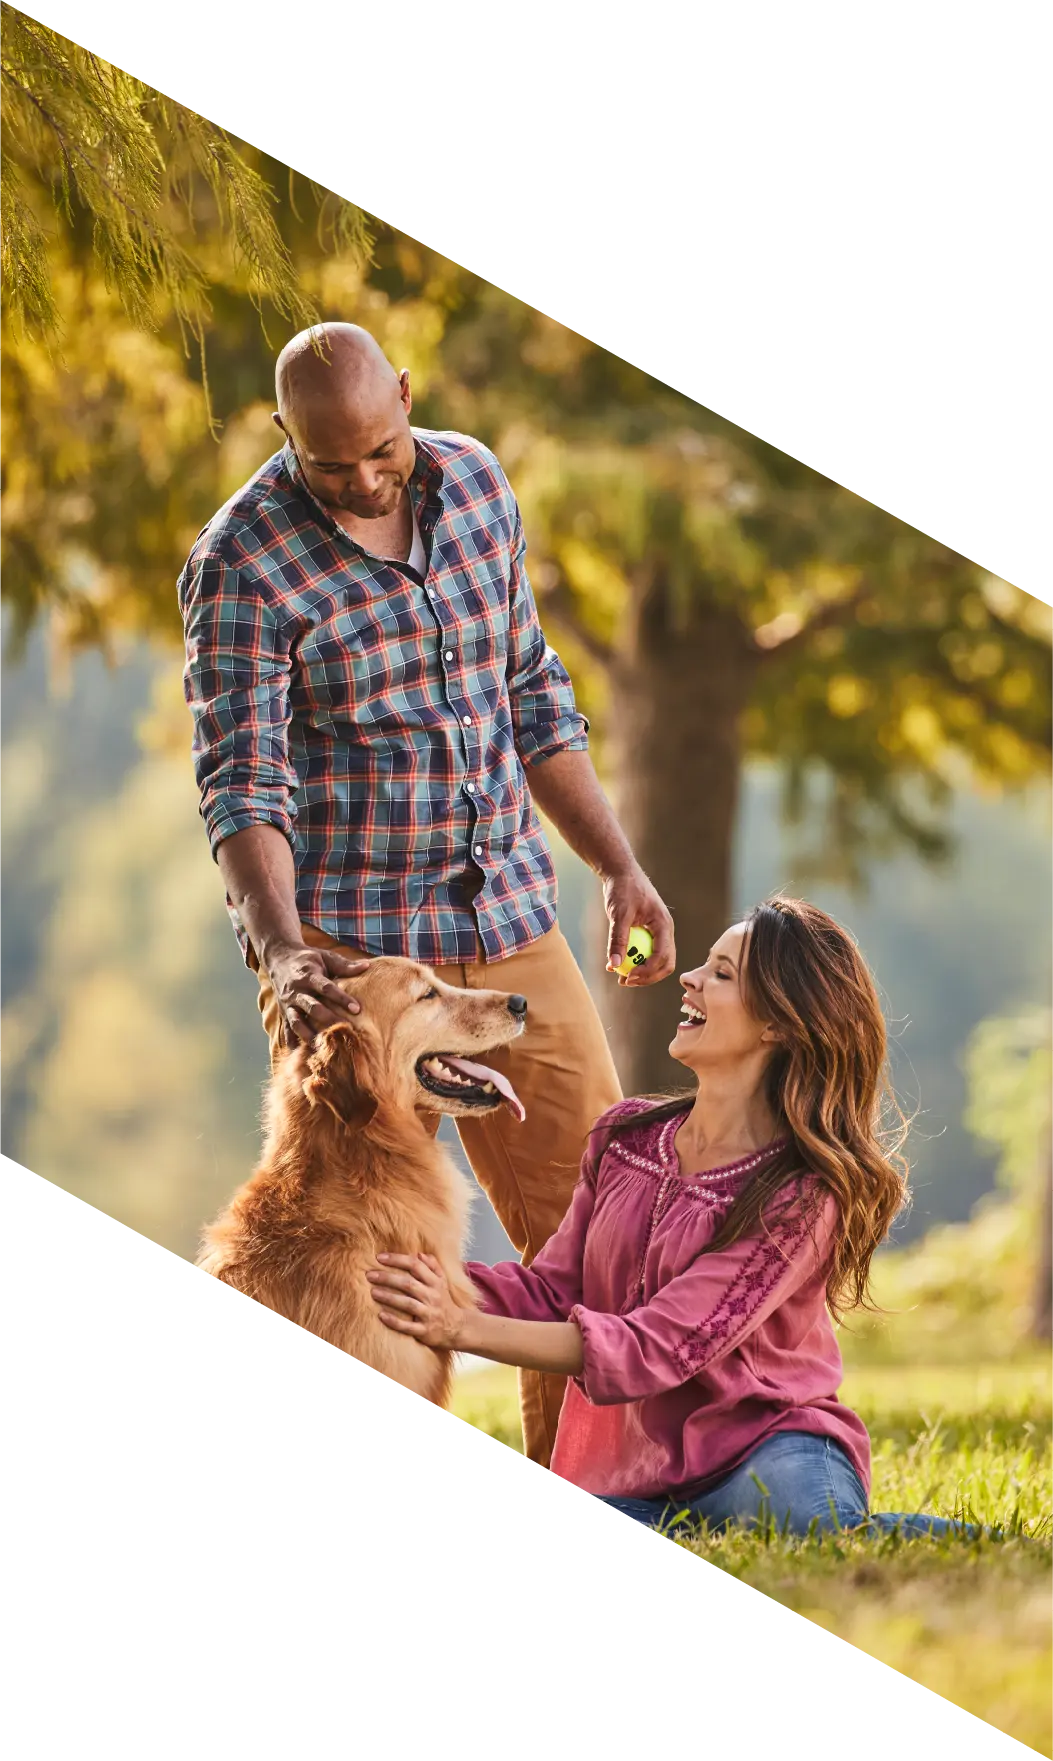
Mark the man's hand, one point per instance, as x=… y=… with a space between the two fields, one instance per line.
x=632 y=903
x=303 y=982
x=566 y=788
x=260 y=877
x=413 y=1297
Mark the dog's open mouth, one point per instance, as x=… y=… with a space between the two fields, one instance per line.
x=458 y=1080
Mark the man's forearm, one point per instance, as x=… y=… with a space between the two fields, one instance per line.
x=260 y=877
x=554 y=1347
x=568 y=792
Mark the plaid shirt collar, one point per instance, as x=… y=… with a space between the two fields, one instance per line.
x=425 y=486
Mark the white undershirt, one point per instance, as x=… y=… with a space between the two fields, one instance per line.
x=416 y=558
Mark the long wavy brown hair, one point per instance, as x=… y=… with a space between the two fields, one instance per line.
x=828 y=1085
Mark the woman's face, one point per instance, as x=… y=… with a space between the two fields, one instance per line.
x=715 y=1025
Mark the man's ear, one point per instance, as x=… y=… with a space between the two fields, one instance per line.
x=404 y=390
x=338 y=1078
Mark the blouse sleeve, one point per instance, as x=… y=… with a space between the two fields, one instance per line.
x=549 y=1287
x=704 y=1313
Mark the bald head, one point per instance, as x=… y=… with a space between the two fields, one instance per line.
x=331 y=362
x=346 y=413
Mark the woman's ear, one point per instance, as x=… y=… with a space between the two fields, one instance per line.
x=339 y=1079
x=770 y=1036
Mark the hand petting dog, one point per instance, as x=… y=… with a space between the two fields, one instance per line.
x=349 y=1164
x=414 y=1297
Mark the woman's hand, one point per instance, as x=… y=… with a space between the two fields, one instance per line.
x=413 y=1297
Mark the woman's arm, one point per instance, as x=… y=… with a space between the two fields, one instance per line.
x=707 y=1311
x=414 y=1297
x=548 y=1288
x=693 y=1321
x=552 y=1346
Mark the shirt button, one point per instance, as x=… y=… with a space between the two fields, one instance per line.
x=478 y=849
x=471 y=788
x=448 y=655
x=467 y=721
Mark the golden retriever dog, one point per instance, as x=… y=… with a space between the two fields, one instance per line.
x=350 y=1169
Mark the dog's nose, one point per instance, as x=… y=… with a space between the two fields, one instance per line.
x=517 y=1005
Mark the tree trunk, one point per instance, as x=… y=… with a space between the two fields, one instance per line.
x=1042 y=1305
x=680 y=686
x=1043 y=1323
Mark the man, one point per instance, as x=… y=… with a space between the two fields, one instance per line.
x=376 y=711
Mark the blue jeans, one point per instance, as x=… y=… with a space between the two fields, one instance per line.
x=792 y=1481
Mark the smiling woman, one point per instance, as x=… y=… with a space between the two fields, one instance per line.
x=785 y=1015
x=689 y=1289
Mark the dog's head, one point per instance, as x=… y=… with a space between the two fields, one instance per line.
x=413 y=1047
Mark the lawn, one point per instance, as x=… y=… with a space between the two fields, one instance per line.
x=970 y=1620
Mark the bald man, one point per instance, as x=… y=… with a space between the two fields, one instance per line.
x=376 y=714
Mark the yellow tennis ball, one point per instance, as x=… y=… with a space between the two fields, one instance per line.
x=640 y=948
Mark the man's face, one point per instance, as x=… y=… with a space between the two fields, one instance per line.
x=357 y=456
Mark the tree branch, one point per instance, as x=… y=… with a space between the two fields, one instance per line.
x=994 y=712
x=1013 y=631
x=561 y=601
x=832 y=616
x=69 y=148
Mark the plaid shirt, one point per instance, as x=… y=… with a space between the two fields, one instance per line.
x=381 y=722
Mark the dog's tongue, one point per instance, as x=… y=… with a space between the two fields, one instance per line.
x=480 y=1073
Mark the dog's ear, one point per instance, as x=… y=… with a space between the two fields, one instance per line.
x=339 y=1078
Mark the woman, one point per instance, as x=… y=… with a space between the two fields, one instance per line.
x=689 y=1289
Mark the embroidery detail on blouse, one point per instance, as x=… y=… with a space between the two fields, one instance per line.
x=756 y=1278
x=744 y=1165
x=661 y=1197
x=664 y=1157
x=713 y=1196
x=646 y=1164
x=623 y=1110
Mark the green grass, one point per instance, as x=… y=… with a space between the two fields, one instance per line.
x=968 y=1619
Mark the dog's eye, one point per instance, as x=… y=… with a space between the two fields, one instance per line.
x=428 y=995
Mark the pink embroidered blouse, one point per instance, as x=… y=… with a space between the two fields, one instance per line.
x=690 y=1359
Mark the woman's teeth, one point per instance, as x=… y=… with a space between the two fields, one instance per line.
x=692 y=1017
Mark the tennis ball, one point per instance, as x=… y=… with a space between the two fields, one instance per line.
x=640 y=948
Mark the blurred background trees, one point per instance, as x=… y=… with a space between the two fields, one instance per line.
x=974 y=1291
x=787 y=685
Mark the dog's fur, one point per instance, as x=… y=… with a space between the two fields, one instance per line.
x=349 y=1169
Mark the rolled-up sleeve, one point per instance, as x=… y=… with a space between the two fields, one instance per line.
x=236 y=682
x=704 y=1313
x=544 y=714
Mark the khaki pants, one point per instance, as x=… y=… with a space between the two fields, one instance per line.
x=563 y=1072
